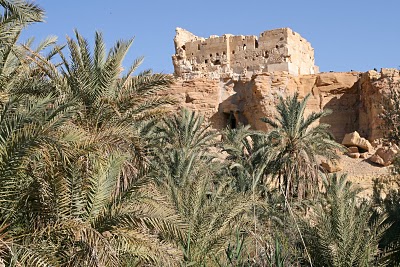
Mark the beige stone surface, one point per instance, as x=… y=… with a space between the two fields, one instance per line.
x=377 y=159
x=354 y=155
x=230 y=56
x=257 y=98
x=354 y=98
x=332 y=165
x=203 y=96
x=374 y=86
x=353 y=149
x=385 y=155
x=361 y=173
x=354 y=139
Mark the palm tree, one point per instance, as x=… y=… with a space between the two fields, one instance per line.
x=186 y=131
x=14 y=17
x=187 y=139
x=62 y=199
x=74 y=190
x=339 y=231
x=116 y=110
x=91 y=221
x=96 y=80
x=247 y=158
x=296 y=143
x=197 y=185
x=31 y=134
x=387 y=201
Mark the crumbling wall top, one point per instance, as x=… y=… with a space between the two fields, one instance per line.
x=231 y=56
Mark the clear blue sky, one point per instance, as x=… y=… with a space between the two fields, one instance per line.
x=352 y=34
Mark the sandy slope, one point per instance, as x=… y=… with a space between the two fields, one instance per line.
x=362 y=172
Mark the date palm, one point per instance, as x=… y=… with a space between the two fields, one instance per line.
x=73 y=189
x=62 y=200
x=97 y=81
x=14 y=17
x=196 y=183
x=340 y=230
x=116 y=109
x=248 y=158
x=87 y=220
x=296 y=142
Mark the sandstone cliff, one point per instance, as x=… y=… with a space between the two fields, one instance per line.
x=355 y=98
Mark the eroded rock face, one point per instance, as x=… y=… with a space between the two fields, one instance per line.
x=355 y=99
x=385 y=155
x=239 y=79
x=374 y=87
x=354 y=139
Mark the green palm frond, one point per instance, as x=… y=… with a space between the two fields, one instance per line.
x=24 y=131
x=295 y=144
x=339 y=231
x=187 y=131
x=145 y=248
x=102 y=185
x=24 y=11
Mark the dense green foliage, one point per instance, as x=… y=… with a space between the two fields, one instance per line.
x=95 y=170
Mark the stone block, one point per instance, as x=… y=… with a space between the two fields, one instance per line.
x=376 y=159
x=353 y=155
x=332 y=166
x=354 y=139
x=284 y=66
x=385 y=155
x=353 y=149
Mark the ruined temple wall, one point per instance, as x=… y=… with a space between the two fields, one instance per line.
x=229 y=55
x=286 y=46
x=183 y=36
x=242 y=77
x=206 y=51
x=301 y=53
x=244 y=52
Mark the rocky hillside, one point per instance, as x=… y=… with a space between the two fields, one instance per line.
x=355 y=98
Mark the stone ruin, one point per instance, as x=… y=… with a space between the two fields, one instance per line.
x=234 y=80
x=230 y=56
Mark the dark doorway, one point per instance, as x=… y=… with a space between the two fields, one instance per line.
x=232 y=123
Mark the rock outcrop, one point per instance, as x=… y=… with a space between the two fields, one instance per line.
x=356 y=99
x=332 y=166
x=356 y=143
x=385 y=155
x=239 y=79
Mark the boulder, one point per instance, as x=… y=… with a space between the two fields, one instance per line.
x=354 y=139
x=385 y=155
x=353 y=149
x=385 y=72
x=376 y=159
x=353 y=155
x=332 y=166
x=364 y=155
